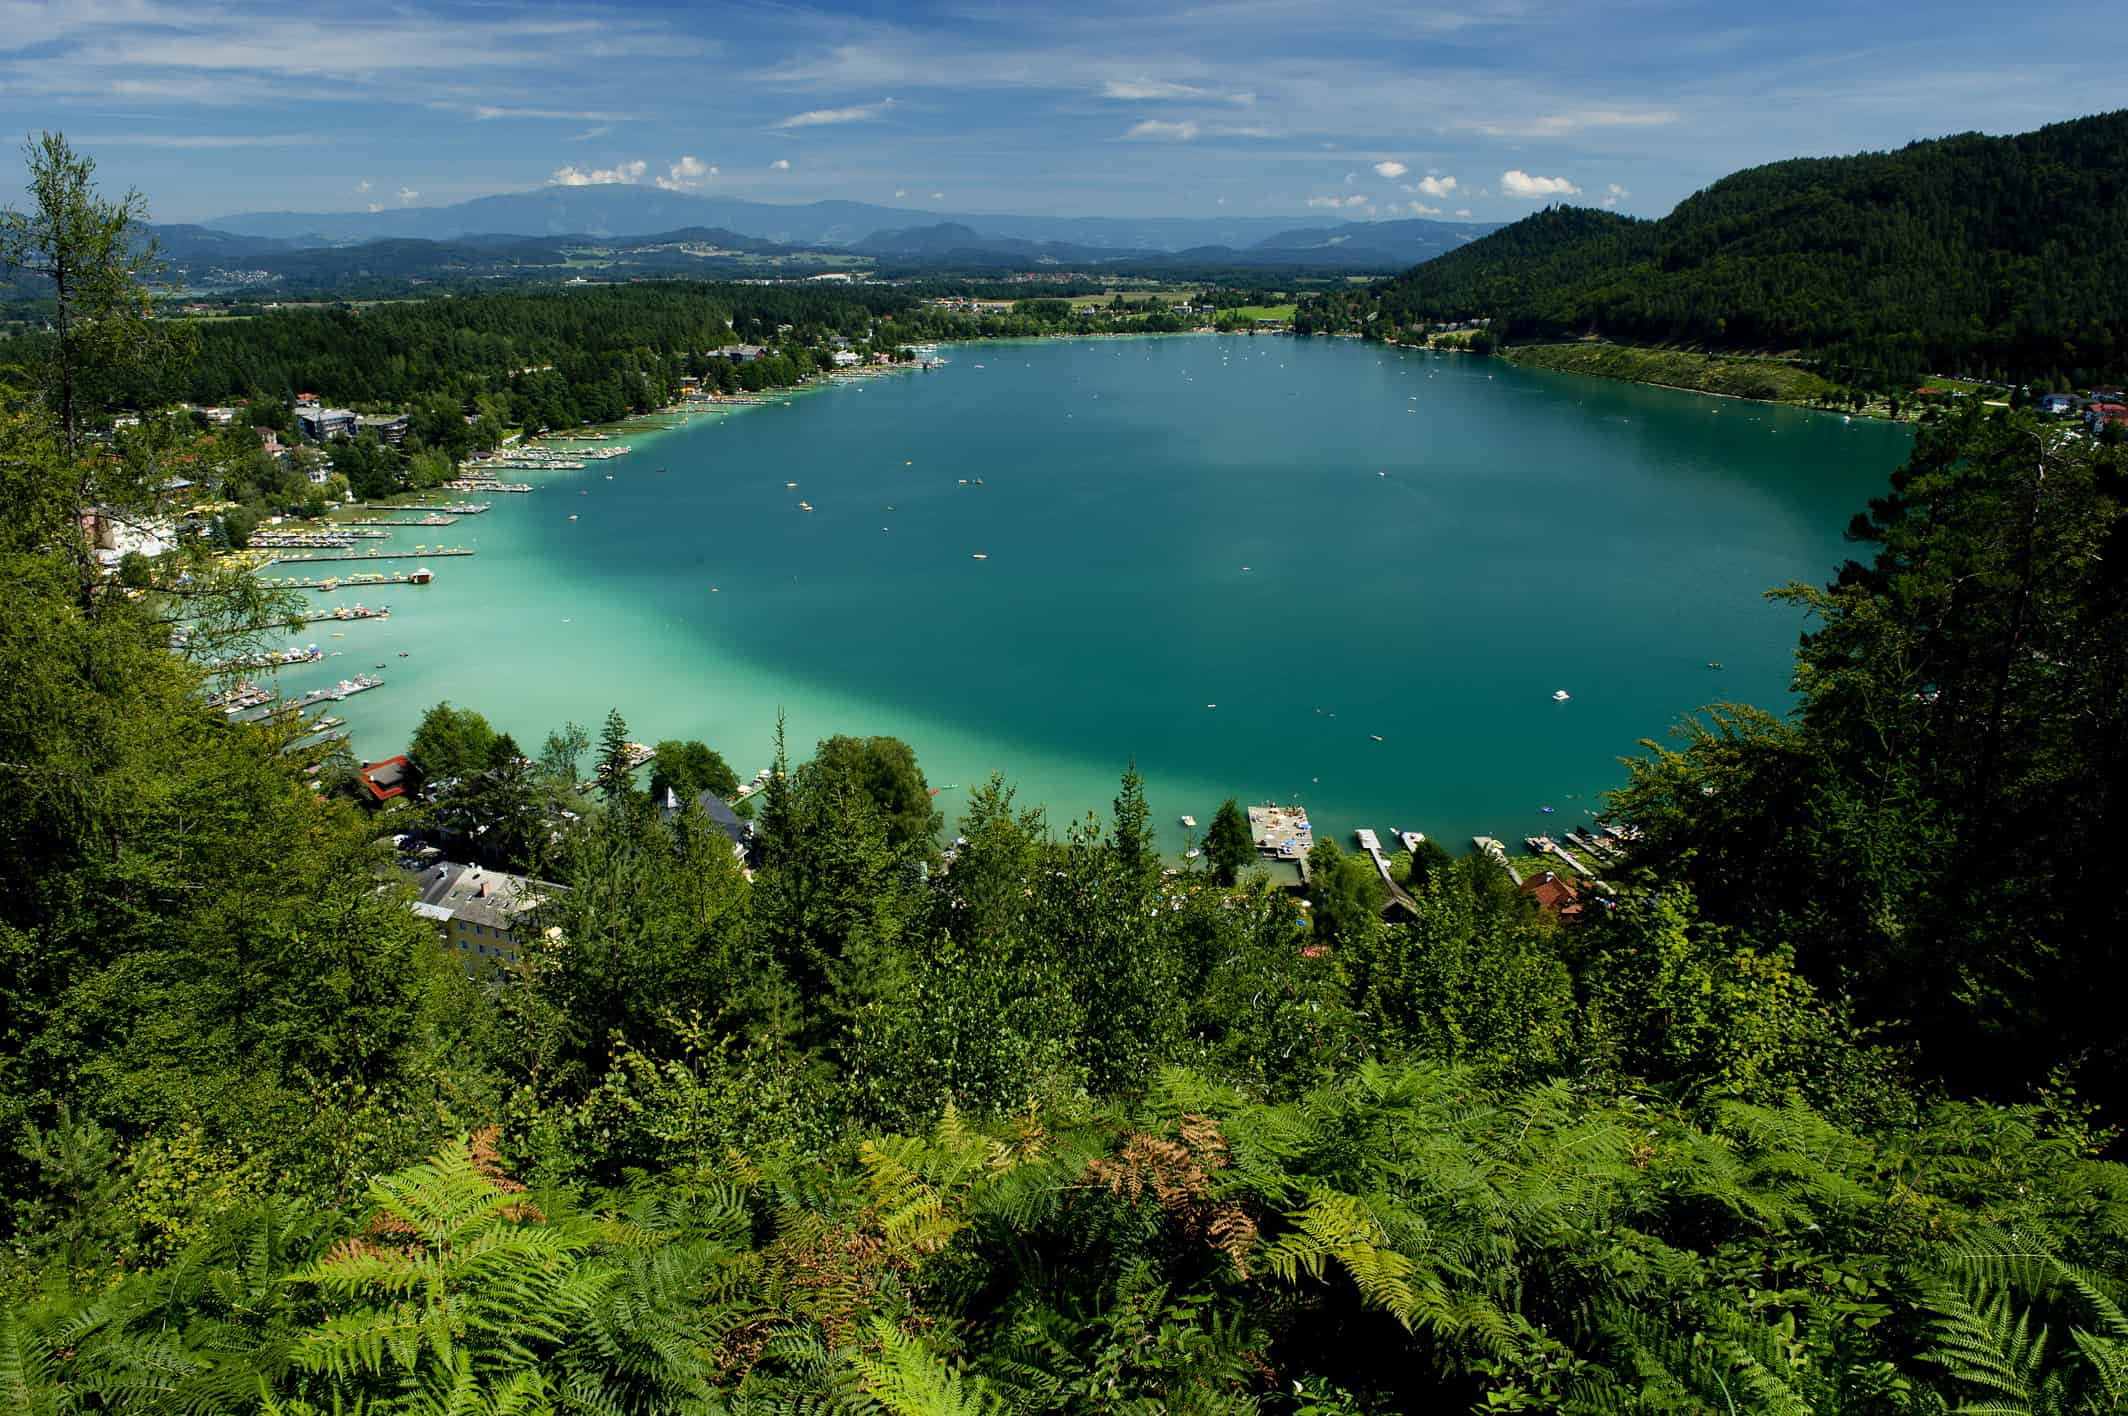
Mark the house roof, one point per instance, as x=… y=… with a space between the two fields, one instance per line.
x=388 y=778
x=716 y=809
x=471 y=892
x=1552 y=893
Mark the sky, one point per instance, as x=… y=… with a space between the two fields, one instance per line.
x=1361 y=109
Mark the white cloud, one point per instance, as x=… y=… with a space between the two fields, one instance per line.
x=1433 y=186
x=1355 y=200
x=1140 y=90
x=1517 y=183
x=1612 y=192
x=855 y=113
x=597 y=130
x=1351 y=177
x=687 y=174
x=1154 y=130
x=901 y=191
x=363 y=185
x=407 y=194
x=1390 y=169
x=1462 y=211
x=1159 y=90
x=619 y=174
x=1563 y=125
x=483 y=113
x=376 y=207
x=1222 y=201
x=1421 y=209
x=781 y=164
x=938 y=196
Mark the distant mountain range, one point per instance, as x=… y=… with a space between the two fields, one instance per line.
x=1998 y=256
x=506 y=238
x=616 y=212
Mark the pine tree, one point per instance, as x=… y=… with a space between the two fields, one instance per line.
x=1132 y=834
x=1228 y=845
x=613 y=770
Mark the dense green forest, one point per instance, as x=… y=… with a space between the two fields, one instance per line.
x=559 y=358
x=1819 y=1114
x=1996 y=257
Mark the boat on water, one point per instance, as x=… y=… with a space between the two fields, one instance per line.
x=1190 y=821
x=1376 y=736
x=805 y=506
x=1560 y=695
x=979 y=555
x=1714 y=663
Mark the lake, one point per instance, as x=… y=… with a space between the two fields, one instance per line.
x=1379 y=565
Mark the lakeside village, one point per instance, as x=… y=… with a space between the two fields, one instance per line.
x=481 y=911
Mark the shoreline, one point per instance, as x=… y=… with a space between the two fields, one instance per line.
x=1876 y=410
x=1044 y=769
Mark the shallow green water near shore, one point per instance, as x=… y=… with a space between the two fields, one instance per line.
x=1328 y=540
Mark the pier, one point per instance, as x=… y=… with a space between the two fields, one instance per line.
x=344 y=689
x=416 y=554
x=436 y=520
x=347 y=614
x=1545 y=845
x=356 y=581
x=457 y=509
x=1281 y=831
x=1372 y=845
x=1499 y=853
x=282 y=540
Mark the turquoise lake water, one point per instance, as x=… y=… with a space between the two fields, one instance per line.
x=1328 y=540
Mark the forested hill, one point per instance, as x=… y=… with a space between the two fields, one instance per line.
x=1992 y=256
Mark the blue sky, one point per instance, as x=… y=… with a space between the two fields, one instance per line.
x=1362 y=108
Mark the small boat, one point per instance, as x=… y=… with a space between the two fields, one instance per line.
x=979 y=555
x=790 y=484
x=1559 y=695
x=1191 y=854
x=1211 y=705
x=572 y=516
x=1376 y=736
x=805 y=506
x=1714 y=663
x=1190 y=821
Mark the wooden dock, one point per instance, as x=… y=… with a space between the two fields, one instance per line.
x=1545 y=845
x=354 y=582
x=454 y=509
x=365 y=556
x=1498 y=852
x=1372 y=845
x=346 y=616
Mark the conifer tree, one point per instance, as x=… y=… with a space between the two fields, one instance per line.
x=613 y=770
x=1228 y=845
x=1132 y=833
